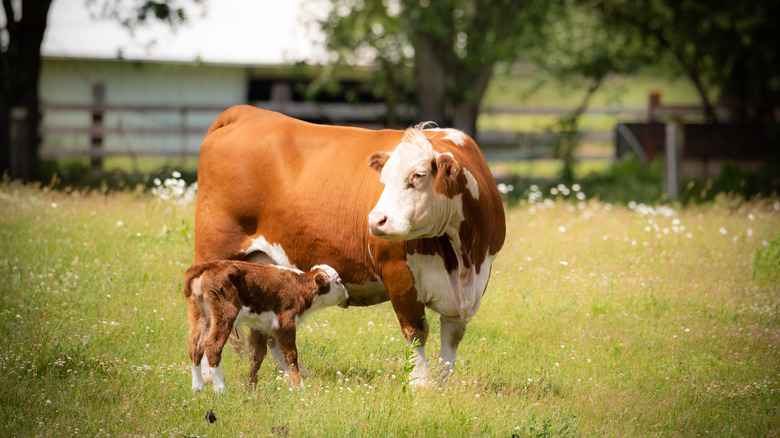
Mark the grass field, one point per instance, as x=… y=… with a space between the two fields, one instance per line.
x=599 y=320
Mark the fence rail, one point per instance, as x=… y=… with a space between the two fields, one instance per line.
x=92 y=134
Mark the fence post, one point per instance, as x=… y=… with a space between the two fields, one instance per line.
x=96 y=144
x=20 y=156
x=674 y=148
x=653 y=103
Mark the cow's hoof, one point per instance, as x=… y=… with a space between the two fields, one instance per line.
x=421 y=383
x=197 y=388
x=220 y=389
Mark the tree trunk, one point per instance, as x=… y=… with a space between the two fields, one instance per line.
x=431 y=81
x=469 y=94
x=20 y=66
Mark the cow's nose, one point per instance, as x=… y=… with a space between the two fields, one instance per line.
x=377 y=221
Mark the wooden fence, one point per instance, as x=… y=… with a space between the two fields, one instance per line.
x=184 y=126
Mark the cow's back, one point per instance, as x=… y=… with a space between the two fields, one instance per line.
x=304 y=189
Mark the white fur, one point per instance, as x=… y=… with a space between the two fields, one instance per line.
x=274 y=252
x=218 y=379
x=453 y=135
x=266 y=321
x=197 y=377
x=471 y=184
x=417 y=212
x=451 y=294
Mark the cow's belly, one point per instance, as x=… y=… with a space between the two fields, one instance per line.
x=455 y=294
x=365 y=293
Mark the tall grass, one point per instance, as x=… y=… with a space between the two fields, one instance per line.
x=598 y=320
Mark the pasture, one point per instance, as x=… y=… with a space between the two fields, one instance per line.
x=599 y=320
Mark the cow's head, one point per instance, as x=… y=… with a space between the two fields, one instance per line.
x=421 y=195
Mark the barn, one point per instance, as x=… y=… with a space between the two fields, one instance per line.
x=154 y=92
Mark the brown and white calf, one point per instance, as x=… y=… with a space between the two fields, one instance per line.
x=227 y=294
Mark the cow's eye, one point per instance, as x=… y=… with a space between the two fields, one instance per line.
x=415 y=179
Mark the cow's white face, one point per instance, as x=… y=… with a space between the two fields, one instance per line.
x=421 y=196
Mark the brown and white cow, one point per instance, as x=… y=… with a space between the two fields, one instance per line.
x=224 y=295
x=424 y=231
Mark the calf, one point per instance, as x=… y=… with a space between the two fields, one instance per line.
x=223 y=295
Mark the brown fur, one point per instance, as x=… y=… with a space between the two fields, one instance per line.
x=224 y=287
x=309 y=189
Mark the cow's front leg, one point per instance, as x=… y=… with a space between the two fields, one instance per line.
x=414 y=326
x=452 y=331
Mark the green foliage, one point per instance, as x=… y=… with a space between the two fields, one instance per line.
x=723 y=47
x=733 y=180
x=627 y=180
x=77 y=174
x=410 y=356
x=766 y=261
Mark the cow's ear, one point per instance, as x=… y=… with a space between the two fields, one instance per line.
x=377 y=160
x=321 y=279
x=447 y=169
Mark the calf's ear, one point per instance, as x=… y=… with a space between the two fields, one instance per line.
x=321 y=279
x=377 y=160
x=447 y=169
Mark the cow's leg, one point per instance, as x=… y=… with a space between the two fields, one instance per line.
x=452 y=331
x=257 y=341
x=414 y=326
x=285 y=337
x=197 y=323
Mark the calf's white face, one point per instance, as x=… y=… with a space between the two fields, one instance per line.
x=420 y=198
x=336 y=292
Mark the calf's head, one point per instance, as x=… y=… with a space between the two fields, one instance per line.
x=420 y=198
x=330 y=289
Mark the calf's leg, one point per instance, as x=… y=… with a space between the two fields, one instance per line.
x=221 y=326
x=286 y=340
x=197 y=322
x=257 y=341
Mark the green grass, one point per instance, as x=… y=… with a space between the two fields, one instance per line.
x=598 y=321
x=630 y=91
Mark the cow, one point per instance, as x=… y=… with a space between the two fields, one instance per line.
x=224 y=295
x=411 y=216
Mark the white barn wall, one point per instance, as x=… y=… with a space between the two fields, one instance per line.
x=70 y=81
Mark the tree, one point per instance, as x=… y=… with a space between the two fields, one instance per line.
x=451 y=47
x=21 y=36
x=727 y=49
x=20 y=63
